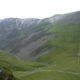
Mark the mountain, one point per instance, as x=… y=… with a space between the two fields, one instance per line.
x=29 y=38
x=41 y=49
x=18 y=35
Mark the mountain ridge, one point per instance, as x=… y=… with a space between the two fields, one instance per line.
x=47 y=49
x=19 y=36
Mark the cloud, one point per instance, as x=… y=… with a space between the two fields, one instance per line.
x=36 y=8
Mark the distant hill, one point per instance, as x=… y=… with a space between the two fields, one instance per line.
x=31 y=38
x=41 y=49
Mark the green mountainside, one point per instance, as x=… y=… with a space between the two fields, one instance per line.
x=47 y=49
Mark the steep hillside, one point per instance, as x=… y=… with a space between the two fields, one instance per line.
x=50 y=47
x=66 y=41
x=21 y=35
x=63 y=59
x=31 y=38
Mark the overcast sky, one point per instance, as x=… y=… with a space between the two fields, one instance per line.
x=36 y=8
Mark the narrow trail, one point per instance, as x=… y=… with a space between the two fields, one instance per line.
x=60 y=71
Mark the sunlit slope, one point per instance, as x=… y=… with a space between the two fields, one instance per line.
x=65 y=44
x=63 y=59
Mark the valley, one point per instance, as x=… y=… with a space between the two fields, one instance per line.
x=41 y=49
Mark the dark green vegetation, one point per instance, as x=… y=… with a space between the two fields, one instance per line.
x=6 y=74
x=47 y=49
x=13 y=66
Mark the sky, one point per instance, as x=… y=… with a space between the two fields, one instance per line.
x=36 y=8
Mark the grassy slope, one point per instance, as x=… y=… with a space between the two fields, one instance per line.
x=65 y=55
x=66 y=42
x=10 y=62
x=61 y=63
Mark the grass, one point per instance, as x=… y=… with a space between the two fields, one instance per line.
x=52 y=75
x=15 y=66
x=61 y=62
